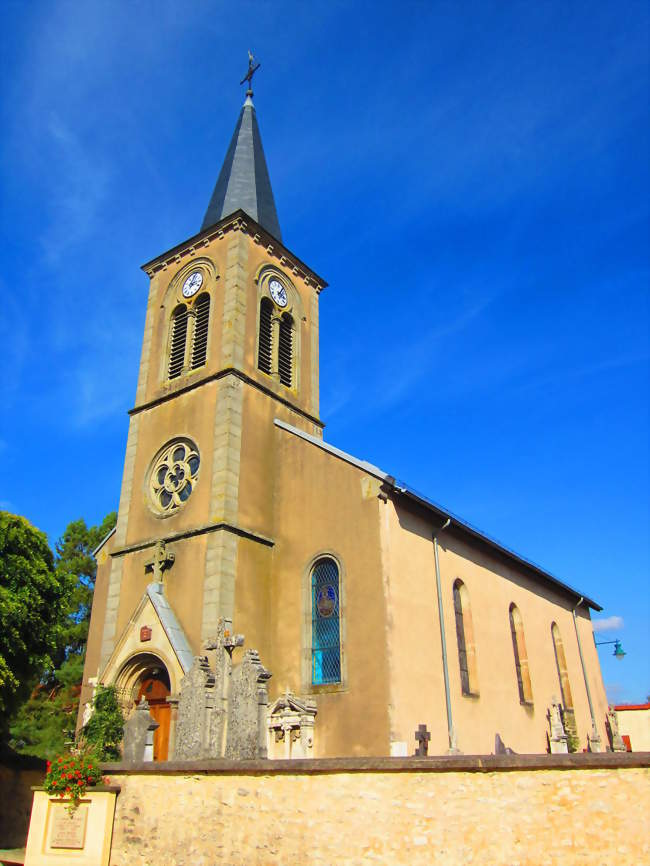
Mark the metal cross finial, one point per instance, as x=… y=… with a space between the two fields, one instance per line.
x=159 y=561
x=252 y=69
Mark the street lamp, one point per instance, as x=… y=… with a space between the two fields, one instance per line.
x=619 y=652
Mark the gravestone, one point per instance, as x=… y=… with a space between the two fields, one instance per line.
x=422 y=736
x=615 y=739
x=247 y=708
x=558 y=737
x=291 y=726
x=500 y=747
x=138 y=733
x=196 y=719
x=222 y=707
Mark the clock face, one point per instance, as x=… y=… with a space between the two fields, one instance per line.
x=192 y=284
x=278 y=293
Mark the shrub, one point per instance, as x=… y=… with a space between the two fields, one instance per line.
x=104 y=730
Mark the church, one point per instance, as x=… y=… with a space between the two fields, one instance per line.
x=375 y=610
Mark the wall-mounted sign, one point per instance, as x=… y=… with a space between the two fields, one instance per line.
x=145 y=633
x=68 y=830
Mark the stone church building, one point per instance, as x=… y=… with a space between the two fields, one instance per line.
x=374 y=609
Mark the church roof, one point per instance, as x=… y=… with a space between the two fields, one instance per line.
x=244 y=178
x=170 y=624
x=464 y=528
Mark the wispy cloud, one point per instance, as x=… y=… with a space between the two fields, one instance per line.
x=393 y=380
x=616 y=693
x=608 y=623
x=76 y=188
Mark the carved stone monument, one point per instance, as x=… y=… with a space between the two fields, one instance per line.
x=558 y=737
x=222 y=706
x=138 y=734
x=615 y=739
x=291 y=727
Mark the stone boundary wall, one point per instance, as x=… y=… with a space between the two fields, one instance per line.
x=16 y=780
x=515 y=810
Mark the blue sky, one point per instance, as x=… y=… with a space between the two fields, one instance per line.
x=471 y=179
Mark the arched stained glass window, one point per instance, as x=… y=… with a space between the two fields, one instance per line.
x=465 y=639
x=521 y=656
x=200 y=338
x=562 y=671
x=177 y=342
x=325 y=623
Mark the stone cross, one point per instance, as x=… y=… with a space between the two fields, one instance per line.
x=422 y=736
x=159 y=561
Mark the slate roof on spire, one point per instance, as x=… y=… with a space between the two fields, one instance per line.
x=244 y=178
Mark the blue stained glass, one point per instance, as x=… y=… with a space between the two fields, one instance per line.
x=325 y=623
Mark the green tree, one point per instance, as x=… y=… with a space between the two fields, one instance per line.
x=75 y=564
x=32 y=605
x=45 y=723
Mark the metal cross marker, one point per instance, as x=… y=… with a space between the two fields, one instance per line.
x=422 y=736
x=159 y=561
x=252 y=69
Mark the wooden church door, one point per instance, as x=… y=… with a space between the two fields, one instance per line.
x=156 y=691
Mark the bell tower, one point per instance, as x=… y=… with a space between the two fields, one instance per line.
x=230 y=345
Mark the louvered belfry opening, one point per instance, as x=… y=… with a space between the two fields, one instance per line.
x=177 y=342
x=285 y=351
x=201 y=322
x=264 y=355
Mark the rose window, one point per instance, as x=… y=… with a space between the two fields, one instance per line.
x=174 y=475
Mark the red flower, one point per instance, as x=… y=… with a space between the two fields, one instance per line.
x=79 y=782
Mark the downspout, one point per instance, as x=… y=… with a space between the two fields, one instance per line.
x=594 y=742
x=443 y=642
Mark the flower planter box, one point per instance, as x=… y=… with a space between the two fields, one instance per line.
x=83 y=838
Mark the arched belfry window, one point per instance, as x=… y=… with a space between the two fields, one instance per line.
x=285 y=350
x=562 y=671
x=264 y=355
x=521 y=656
x=465 y=639
x=188 y=339
x=200 y=335
x=277 y=340
x=177 y=341
x=325 y=622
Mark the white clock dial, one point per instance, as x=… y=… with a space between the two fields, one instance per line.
x=192 y=284
x=278 y=293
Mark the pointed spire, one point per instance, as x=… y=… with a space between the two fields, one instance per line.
x=244 y=178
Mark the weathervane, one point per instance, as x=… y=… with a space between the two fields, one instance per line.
x=252 y=69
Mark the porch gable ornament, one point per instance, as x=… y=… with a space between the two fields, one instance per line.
x=160 y=561
x=145 y=633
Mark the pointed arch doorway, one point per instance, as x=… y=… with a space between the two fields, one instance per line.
x=145 y=676
x=155 y=688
